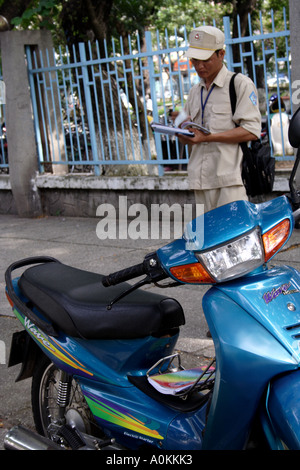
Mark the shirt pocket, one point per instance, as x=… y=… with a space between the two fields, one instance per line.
x=195 y=112
x=221 y=118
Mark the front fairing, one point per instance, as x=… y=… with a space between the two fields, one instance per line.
x=255 y=342
x=221 y=225
x=271 y=298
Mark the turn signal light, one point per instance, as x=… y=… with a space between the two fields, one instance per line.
x=193 y=273
x=275 y=238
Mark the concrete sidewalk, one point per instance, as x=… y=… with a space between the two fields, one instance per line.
x=74 y=241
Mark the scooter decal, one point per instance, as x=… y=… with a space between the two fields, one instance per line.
x=116 y=414
x=73 y=363
x=56 y=351
x=274 y=293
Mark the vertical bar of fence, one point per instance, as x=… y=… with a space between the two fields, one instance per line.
x=88 y=103
x=35 y=111
x=170 y=140
x=277 y=73
x=64 y=88
x=112 y=109
x=288 y=51
x=74 y=131
x=103 y=82
x=228 y=50
x=62 y=130
x=128 y=68
x=252 y=53
x=3 y=150
x=119 y=81
x=142 y=67
x=154 y=103
x=52 y=102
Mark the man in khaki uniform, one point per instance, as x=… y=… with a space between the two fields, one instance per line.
x=214 y=167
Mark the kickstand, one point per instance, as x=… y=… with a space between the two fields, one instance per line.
x=143 y=282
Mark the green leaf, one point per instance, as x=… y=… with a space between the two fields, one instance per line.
x=29 y=14
x=16 y=21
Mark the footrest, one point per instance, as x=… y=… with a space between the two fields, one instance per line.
x=72 y=437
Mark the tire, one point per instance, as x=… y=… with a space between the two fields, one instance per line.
x=46 y=413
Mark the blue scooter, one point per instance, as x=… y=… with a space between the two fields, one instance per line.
x=100 y=350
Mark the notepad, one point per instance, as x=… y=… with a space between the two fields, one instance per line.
x=183 y=130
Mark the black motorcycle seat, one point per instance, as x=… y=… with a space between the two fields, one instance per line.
x=75 y=301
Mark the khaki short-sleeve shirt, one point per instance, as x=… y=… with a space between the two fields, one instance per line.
x=214 y=164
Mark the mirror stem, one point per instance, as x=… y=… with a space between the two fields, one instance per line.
x=294 y=193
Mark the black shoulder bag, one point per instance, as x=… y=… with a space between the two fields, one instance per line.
x=258 y=166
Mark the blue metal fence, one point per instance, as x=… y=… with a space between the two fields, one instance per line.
x=262 y=49
x=92 y=112
x=4 y=167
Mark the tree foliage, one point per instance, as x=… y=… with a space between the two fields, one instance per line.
x=81 y=20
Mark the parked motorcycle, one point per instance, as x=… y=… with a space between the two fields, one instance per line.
x=100 y=350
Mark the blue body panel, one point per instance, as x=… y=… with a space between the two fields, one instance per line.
x=103 y=367
x=284 y=409
x=248 y=357
x=254 y=332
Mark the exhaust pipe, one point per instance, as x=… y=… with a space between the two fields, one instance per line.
x=20 y=438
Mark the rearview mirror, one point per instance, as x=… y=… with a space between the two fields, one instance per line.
x=294 y=138
x=294 y=130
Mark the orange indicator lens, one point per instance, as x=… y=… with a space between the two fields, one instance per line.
x=192 y=273
x=275 y=238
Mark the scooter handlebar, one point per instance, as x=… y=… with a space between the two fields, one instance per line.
x=296 y=215
x=124 y=275
x=150 y=266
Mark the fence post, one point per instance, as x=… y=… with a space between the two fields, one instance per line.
x=157 y=137
x=89 y=106
x=229 y=54
x=23 y=160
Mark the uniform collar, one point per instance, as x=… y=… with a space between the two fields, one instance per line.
x=219 y=79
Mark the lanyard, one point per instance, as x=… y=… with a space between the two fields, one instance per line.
x=203 y=105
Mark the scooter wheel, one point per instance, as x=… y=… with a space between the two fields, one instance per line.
x=48 y=414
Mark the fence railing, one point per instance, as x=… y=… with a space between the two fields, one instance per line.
x=4 y=167
x=92 y=111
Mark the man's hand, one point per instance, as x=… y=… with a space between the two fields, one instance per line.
x=232 y=136
x=198 y=138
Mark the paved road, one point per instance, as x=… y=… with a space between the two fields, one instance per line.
x=74 y=241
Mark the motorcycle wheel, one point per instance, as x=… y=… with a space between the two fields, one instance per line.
x=46 y=411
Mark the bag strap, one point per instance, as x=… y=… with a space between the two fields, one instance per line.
x=232 y=93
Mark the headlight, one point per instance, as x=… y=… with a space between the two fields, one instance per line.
x=234 y=259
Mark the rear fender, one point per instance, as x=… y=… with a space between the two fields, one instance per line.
x=23 y=350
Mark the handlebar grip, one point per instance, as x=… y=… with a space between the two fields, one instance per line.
x=124 y=275
x=296 y=215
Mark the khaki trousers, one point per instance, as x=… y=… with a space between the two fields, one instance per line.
x=213 y=198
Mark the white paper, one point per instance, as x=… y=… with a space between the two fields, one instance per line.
x=170 y=130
